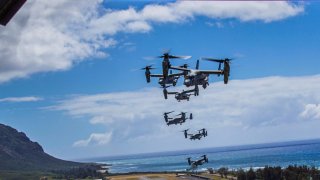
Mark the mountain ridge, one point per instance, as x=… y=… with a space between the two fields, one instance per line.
x=19 y=153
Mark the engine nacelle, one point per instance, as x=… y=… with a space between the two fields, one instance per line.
x=147 y=73
x=196 y=91
x=189 y=161
x=226 y=72
x=165 y=93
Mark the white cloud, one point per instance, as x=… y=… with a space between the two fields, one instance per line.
x=54 y=35
x=271 y=105
x=95 y=139
x=311 y=111
x=215 y=24
x=48 y=36
x=266 y=11
x=21 y=99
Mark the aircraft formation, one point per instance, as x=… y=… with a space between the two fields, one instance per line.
x=192 y=78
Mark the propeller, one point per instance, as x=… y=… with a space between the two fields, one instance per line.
x=220 y=61
x=217 y=60
x=166 y=54
x=167 y=112
x=189 y=160
x=205 y=158
x=185 y=133
x=147 y=67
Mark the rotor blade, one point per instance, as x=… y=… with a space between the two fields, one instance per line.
x=217 y=60
x=137 y=69
x=148 y=67
x=212 y=59
x=228 y=59
x=150 y=58
x=179 y=57
x=166 y=50
x=168 y=112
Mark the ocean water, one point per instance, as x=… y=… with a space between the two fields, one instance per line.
x=255 y=156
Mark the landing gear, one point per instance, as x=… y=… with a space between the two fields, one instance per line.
x=204 y=86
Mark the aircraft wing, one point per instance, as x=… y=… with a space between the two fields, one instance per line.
x=177 y=74
x=156 y=75
x=172 y=92
x=210 y=71
x=179 y=68
x=188 y=91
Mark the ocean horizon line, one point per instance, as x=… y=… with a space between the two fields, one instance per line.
x=218 y=149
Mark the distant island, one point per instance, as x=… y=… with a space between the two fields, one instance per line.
x=22 y=158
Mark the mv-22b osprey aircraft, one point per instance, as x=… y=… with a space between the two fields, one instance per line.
x=193 y=77
x=165 y=78
x=201 y=133
x=171 y=78
x=184 y=95
x=166 y=65
x=177 y=120
x=226 y=67
x=194 y=164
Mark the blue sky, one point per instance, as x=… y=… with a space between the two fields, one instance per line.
x=70 y=84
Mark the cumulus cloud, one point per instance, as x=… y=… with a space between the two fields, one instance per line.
x=54 y=35
x=48 y=36
x=21 y=99
x=95 y=139
x=242 y=105
x=311 y=111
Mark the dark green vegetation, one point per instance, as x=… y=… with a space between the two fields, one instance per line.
x=276 y=173
x=20 y=157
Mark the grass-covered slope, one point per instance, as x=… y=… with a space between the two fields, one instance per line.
x=18 y=153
